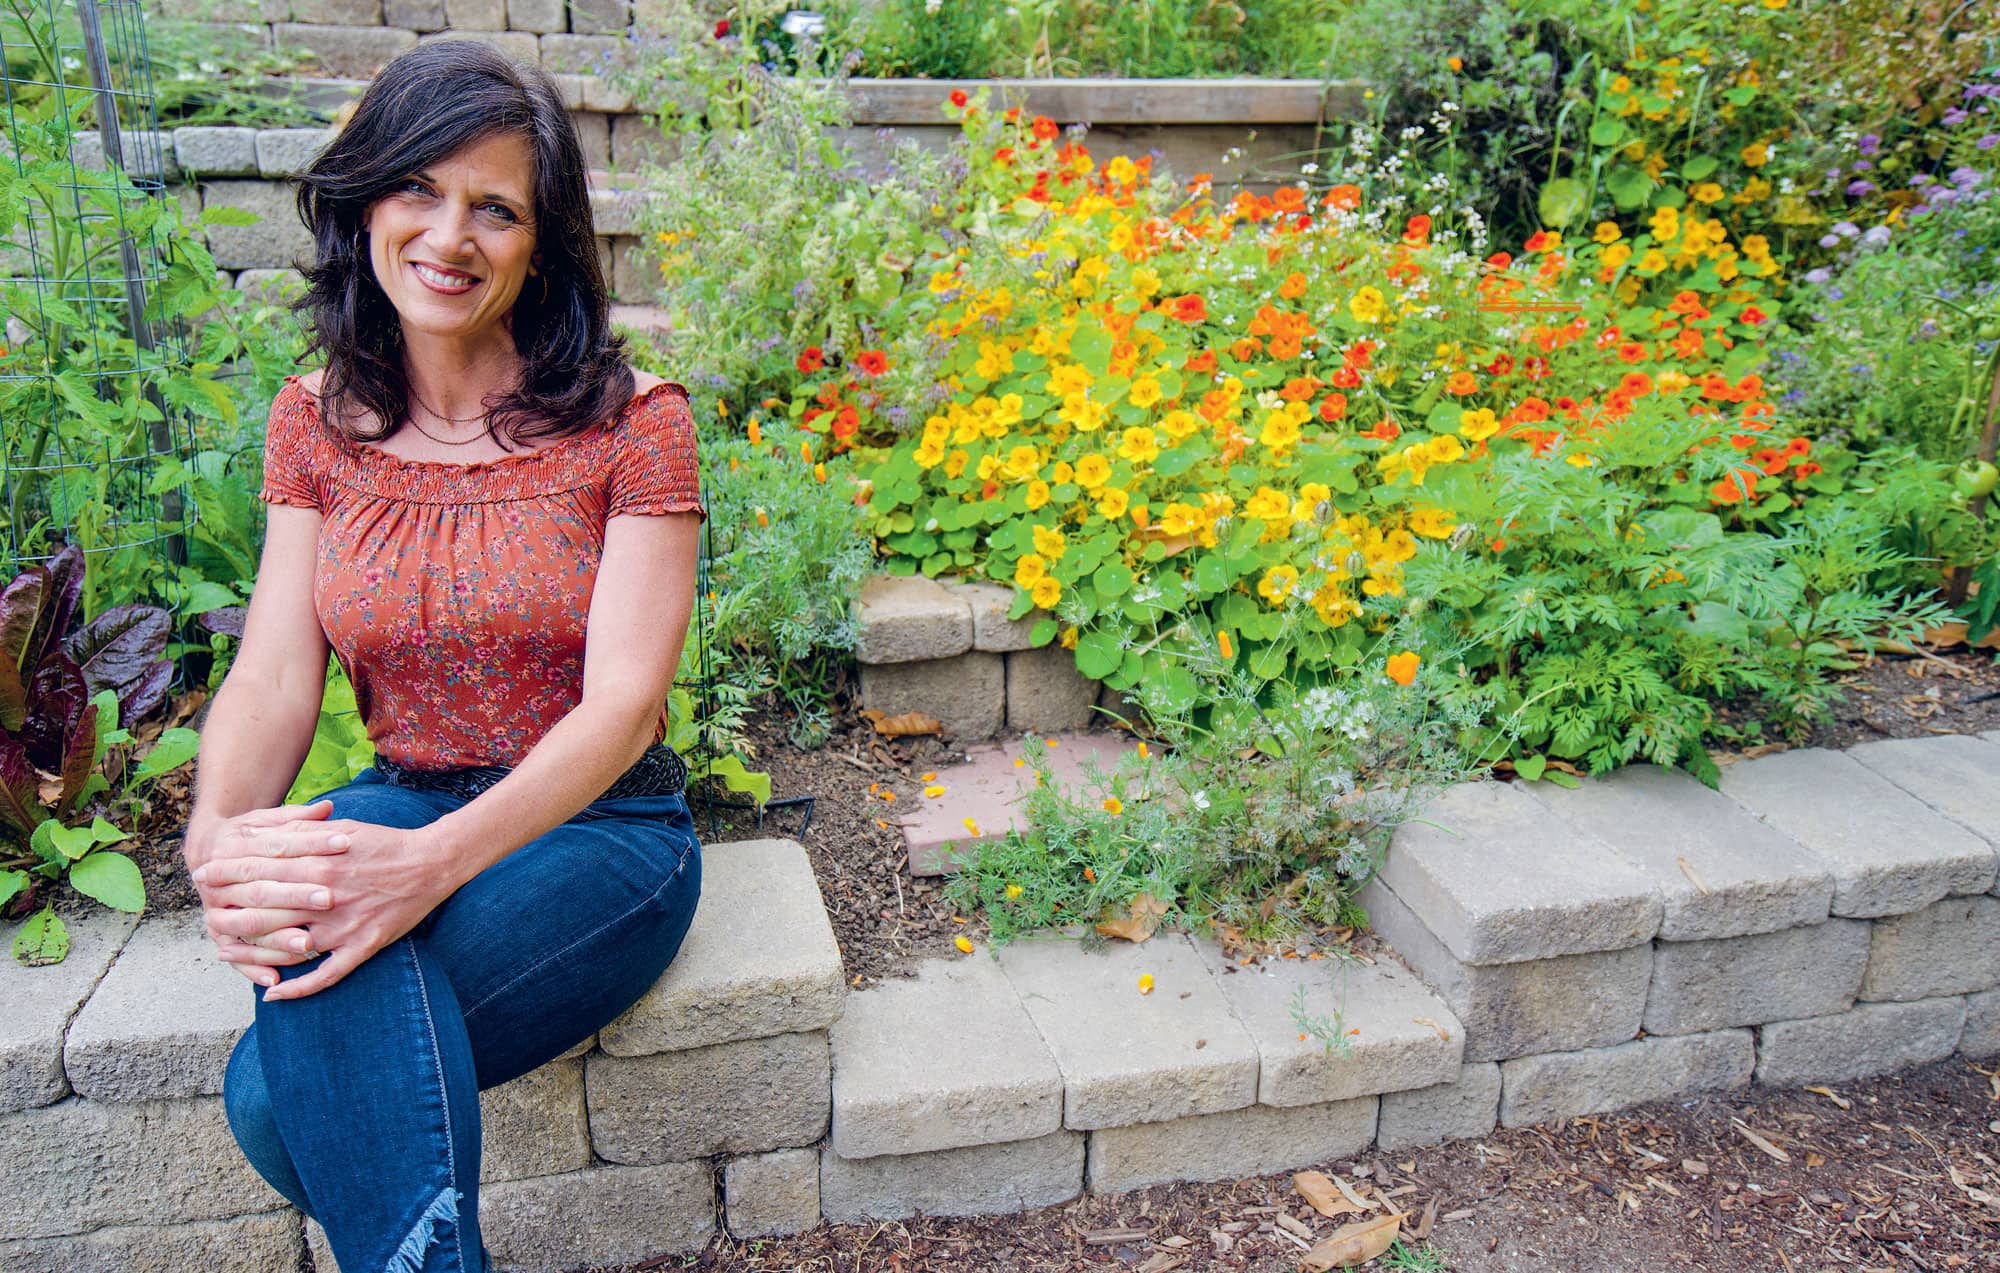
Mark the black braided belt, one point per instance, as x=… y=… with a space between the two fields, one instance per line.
x=659 y=772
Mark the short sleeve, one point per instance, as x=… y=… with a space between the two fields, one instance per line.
x=290 y=474
x=656 y=470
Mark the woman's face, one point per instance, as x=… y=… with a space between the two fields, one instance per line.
x=454 y=243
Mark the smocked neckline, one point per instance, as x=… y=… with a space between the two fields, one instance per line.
x=384 y=459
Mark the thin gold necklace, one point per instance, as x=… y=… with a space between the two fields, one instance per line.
x=448 y=419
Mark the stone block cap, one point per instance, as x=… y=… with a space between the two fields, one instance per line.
x=759 y=959
x=907 y=619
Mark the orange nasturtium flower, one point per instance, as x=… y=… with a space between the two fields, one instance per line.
x=1223 y=644
x=1402 y=668
x=1113 y=805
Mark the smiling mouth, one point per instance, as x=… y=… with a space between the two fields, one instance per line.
x=443 y=280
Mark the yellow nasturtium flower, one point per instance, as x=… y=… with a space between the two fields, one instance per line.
x=1030 y=570
x=1046 y=592
x=1093 y=471
x=1112 y=504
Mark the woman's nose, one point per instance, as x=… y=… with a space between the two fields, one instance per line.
x=450 y=228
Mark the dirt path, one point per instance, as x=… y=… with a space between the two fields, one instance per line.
x=1889 y=1174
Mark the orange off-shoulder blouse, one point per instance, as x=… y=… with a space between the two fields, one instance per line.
x=455 y=595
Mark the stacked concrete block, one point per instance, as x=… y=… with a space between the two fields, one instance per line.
x=948 y=649
x=1537 y=934
x=118 y=1154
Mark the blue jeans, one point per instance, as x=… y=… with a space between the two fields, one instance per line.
x=360 y=1104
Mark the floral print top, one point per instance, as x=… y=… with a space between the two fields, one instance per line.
x=455 y=595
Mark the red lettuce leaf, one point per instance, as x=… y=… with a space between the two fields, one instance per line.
x=78 y=759
x=20 y=787
x=57 y=697
x=21 y=607
x=123 y=650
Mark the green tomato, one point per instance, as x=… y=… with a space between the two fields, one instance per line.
x=1989 y=330
x=1974 y=480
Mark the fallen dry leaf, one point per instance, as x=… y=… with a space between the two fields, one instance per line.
x=1833 y=1096
x=1354 y=1244
x=1759 y=1140
x=1140 y=921
x=1324 y=1194
x=904 y=725
x=1443 y=1034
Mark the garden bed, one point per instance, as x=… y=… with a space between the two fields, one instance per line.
x=887 y=920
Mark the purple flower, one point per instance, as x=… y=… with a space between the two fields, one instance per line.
x=1869 y=143
x=1955 y=116
x=1988 y=142
x=1820 y=275
x=1877 y=236
x=1829 y=240
x=1862 y=165
x=1945 y=197
x=1964 y=175
x=1859 y=188
x=1918 y=210
x=1846 y=229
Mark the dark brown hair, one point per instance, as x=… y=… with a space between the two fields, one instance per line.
x=424 y=106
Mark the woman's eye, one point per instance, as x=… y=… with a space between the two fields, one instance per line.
x=413 y=184
x=502 y=209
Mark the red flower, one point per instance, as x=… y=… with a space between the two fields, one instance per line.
x=1201 y=362
x=872 y=362
x=1189 y=309
x=811 y=360
x=1333 y=407
x=1418 y=229
x=1752 y=315
x=1045 y=128
x=722 y=28
x=958 y=97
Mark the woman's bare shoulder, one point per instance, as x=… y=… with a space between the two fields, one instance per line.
x=310 y=382
x=644 y=382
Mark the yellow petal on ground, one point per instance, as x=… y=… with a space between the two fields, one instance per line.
x=1146 y=984
x=972 y=826
x=933 y=791
x=963 y=943
x=1013 y=891
x=931 y=776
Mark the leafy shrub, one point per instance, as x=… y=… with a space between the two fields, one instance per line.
x=65 y=685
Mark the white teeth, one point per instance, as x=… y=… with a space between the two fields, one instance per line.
x=442 y=280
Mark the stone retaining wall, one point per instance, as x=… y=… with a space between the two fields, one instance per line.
x=949 y=650
x=1825 y=916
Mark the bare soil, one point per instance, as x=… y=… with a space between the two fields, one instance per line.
x=1888 y=1174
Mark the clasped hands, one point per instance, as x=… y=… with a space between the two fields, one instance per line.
x=269 y=873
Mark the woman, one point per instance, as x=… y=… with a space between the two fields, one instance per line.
x=492 y=522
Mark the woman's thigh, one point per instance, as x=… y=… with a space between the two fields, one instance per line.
x=556 y=939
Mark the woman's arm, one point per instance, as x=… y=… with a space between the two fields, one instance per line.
x=261 y=723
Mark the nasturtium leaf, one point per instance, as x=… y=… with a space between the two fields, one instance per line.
x=1698 y=167
x=1531 y=767
x=1607 y=131
x=1042 y=633
x=1112 y=579
x=1098 y=654
x=1561 y=202
x=1091 y=347
x=111 y=878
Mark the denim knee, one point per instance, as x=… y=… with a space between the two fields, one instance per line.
x=246 y=1102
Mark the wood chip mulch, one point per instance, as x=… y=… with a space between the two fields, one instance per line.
x=1883 y=1175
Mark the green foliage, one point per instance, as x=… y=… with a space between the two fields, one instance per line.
x=768 y=238
x=1264 y=807
x=340 y=746
x=968 y=39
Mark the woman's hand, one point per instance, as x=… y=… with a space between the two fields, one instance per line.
x=381 y=882
x=247 y=834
